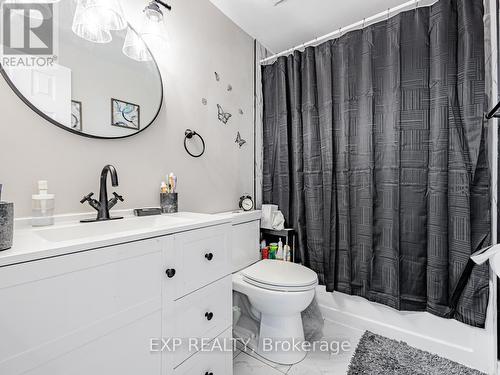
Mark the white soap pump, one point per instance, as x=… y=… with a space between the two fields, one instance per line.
x=43 y=206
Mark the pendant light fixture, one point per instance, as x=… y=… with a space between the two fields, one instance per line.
x=152 y=33
x=107 y=13
x=94 y=19
x=88 y=28
x=153 y=30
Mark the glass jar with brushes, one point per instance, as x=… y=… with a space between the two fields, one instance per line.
x=168 y=195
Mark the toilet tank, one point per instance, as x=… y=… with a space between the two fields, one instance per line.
x=245 y=238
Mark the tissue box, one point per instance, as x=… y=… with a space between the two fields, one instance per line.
x=6 y=225
x=268 y=211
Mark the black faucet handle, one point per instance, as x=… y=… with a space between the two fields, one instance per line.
x=87 y=198
x=118 y=196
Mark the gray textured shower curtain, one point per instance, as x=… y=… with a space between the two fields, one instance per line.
x=374 y=149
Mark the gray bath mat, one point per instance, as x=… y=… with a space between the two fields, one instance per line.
x=376 y=355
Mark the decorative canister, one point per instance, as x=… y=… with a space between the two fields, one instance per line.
x=169 y=203
x=6 y=225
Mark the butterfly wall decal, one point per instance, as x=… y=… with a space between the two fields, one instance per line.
x=223 y=116
x=240 y=141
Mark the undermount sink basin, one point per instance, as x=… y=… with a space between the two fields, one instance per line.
x=74 y=232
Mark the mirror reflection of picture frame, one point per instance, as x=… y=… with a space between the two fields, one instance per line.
x=76 y=115
x=125 y=114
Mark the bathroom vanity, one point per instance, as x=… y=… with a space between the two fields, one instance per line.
x=96 y=298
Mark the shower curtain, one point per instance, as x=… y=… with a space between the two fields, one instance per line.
x=375 y=150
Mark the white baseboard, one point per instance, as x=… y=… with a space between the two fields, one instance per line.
x=473 y=347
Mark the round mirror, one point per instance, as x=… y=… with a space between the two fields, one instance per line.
x=97 y=83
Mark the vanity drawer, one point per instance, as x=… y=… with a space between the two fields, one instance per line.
x=203 y=314
x=200 y=257
x=215 y=362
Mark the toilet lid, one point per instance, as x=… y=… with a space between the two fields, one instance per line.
x=280 y=274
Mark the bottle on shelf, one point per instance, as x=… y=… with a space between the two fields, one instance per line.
x=279 y=252
x=287 y=252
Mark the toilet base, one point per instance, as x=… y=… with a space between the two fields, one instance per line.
x=280 y=338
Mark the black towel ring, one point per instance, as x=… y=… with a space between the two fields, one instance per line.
x=188 y=134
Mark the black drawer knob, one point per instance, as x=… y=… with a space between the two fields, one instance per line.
x=209 y=373
x=209 y=256
x=209 y=315
x=170 y=273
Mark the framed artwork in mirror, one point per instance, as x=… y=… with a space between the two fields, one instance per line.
x=76 y=115
x=125 y=114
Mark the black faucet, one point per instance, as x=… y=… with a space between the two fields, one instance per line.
x=103 y=205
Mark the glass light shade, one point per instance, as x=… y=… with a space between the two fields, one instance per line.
x=153 y=15
x=153 y=12
x=135 y=48
x=108 y=14
x=89 y=28
x=154 y=34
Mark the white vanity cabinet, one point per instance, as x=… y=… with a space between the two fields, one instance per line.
x=96 y=311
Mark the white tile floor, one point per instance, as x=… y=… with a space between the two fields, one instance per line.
x=315 y=363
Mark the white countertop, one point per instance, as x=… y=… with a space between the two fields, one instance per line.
x=240 y=216
x=70 y=236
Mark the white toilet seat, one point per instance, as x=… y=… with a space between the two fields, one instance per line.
x=280 y=276
x=279 y=291
x=278 y=288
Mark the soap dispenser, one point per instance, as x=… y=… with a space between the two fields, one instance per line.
x=43 y=206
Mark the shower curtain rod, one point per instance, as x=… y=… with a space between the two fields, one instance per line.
x=387 y=13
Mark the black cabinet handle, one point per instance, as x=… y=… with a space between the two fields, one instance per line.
x=170 y=273
x=209 y=256
x=209 y=373
x=209 y=315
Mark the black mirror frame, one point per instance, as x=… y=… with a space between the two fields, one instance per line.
x=58 y=124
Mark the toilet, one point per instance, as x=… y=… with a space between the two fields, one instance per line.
x=278 y=292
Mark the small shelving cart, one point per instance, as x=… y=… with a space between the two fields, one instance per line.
x=287 y=235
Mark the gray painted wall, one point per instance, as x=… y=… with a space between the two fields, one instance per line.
x=202 y=40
